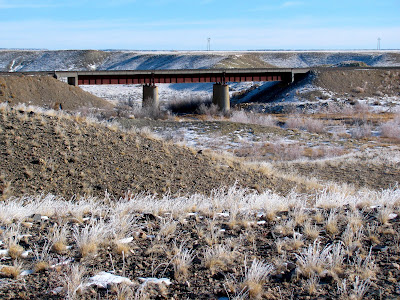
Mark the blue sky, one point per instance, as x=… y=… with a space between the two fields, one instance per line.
x=186 y=24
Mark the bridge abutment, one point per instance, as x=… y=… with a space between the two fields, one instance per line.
x=150 y=96
x=221 y=97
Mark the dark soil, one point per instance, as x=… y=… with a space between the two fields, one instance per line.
x=359 y=174
x=359 y=82
x=66 y=156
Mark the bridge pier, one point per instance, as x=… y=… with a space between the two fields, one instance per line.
x=221 y=97
x=150 y=96
x=72 y=80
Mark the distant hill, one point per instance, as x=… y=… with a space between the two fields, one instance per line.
x=46 y=60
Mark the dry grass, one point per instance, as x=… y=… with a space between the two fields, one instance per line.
x=182 y=262
x=295 y=234
x=255 y=276
x=13 y=271
x=90 y=237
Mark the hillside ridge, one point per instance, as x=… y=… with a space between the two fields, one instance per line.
x=65 y=60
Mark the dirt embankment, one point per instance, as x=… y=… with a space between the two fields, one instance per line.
x=359 y=83
x=47 y=92
x=338 y=82
x=67 y=156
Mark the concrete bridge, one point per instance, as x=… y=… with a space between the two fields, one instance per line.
x=149 y=79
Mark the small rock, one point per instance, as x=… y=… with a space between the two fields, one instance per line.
x=57 y=290
x=26 y=272
x=397 y=266
x=218 y=276
x=381 y=248
x=37 y=217
x=290 y=266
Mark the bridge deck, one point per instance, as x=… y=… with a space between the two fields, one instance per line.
x=180 y=76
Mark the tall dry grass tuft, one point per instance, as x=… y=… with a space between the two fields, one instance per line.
x=218 y=257
x=255 y=276
x=314 y=260
x=182 y=262
x=72 y=282
x=58 y=238
x=13 y=271
x=90 y=237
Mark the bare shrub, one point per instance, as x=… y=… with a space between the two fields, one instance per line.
x=187 y=106
x=309 y=124
x=252 y=118
x=333 y=151
x=361 y=107
x=149 y=112
x=294 y=122
x=287 y=151
x=209 y=109
x=391 y=129
x=361 y=131
x=314 y=125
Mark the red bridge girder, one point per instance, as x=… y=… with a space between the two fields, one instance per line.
x=141 y=79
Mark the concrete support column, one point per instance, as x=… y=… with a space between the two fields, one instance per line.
x=150 y=96
x=72 y=80
x=221 y=97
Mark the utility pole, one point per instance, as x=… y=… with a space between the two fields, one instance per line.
x=208 y=44
x=379 y=43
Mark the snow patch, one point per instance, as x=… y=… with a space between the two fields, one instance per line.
x=104 y=280
x=153 y=280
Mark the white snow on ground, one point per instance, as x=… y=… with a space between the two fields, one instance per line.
x=105 y=279
x=134 y=93
x=301 y=59
x=167 y=92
